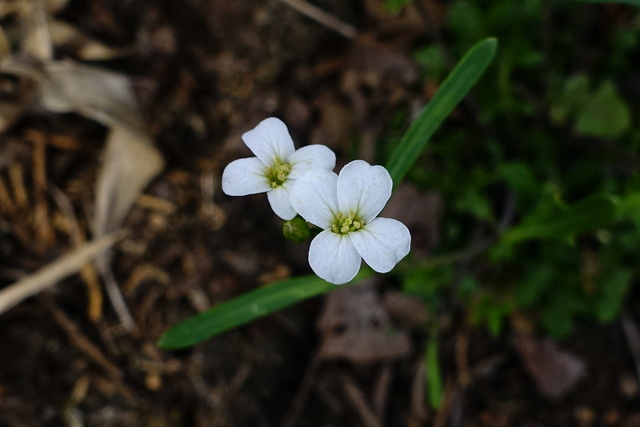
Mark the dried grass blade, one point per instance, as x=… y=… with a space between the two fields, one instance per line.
x=36 y=42
x=54 y=272
x=130 y=160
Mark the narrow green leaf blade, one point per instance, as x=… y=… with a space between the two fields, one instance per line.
x=248 y=307
x=434 y=380
x=456 y=86
x=629 y=2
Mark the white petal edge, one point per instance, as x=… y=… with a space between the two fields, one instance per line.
x=334 y=258
x=280 y=203
x=270 y=139
x=311 y=157
x=382 y=243
x=314 y=197
x=244 y=176
x=364 y=189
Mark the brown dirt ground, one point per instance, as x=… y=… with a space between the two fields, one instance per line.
x=204 y=72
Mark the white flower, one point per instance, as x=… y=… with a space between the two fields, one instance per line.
x=276 y=166
x=346 y=207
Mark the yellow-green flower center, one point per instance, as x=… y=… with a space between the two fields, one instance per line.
x=277 y=174
x=344 y=224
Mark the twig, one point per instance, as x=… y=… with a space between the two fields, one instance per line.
x=88 y=272
x=381 y=392
x=633 y=339
x=323 y=18
x=356 y=396
x=418 y=410
x=461 y=355
x=42 y=225
x=113 y=290
x=16 y=175
x=57 y=270
x=293 y=414
x=82 y=342
x=444 y=411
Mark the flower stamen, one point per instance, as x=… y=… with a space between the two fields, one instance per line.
x=277 y=174
x=346 y=225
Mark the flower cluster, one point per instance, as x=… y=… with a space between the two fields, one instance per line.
x=344 y=206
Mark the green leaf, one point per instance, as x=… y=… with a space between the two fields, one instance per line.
x=431 y=60
x=614 y=287
x=395 y=6
x=465 y=19
x=248 y=307
x=530 y=290
x=605 y=114
x=521 y=180
x=434 y=380
x=630 y=2
x=629 y=207
x=563 y=223
x=557 y=319
x=490 y=310
x=574 y=95
x=459 y=82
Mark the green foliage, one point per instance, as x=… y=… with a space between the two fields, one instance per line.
x=540 y=165
x=428 y=283
x=599 y=113
x=432 y=61
x=246 y=308
x=460 y=81
x=432 y=371
x=629 y=2
x=489 y=309
x=555 y=220
x=395 y=6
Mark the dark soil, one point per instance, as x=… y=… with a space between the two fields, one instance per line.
x=205 y=72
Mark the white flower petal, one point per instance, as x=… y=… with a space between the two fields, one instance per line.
x=364 y=189
x=314 y=197
x=270 y=139
x=245 y=176
x=333 y=257
x=280 y=203
x=311 y=157
x=382 y=243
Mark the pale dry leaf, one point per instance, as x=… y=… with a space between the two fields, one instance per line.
x=54 y=272
x=85 y=47
x=5 y=47
x=130 y=162
x=553 y=370
x=54 y=6
x=130 y=159
x=10 y=7
x=102 y=95
x=355 y=326
x=19 y=85
x=36 y=40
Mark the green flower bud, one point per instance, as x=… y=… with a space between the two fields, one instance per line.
x=296 y=229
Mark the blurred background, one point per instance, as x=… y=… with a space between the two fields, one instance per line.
x=518 y=305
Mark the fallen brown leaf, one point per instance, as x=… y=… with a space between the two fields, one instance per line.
x=355 y=326
x=553 y=370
